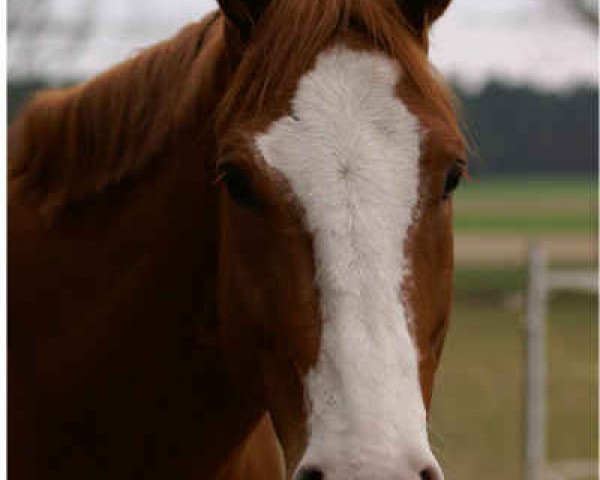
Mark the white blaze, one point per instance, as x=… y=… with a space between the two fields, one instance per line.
x=350 y=151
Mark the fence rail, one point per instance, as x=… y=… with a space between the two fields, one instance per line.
x=542 y=281
x=572 y=469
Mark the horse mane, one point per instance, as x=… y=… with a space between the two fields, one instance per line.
x=71 y=143
x=278 y=56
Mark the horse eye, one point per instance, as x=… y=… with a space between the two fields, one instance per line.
x=237 y=183
x=453 y=179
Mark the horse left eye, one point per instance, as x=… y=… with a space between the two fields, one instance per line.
x=237 y=183
x=453 y=179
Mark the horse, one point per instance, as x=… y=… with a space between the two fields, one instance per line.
x=230 y=256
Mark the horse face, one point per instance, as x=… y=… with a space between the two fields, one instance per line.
x=336 y=264
x=268 y=298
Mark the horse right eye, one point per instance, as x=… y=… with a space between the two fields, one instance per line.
x=453 y=179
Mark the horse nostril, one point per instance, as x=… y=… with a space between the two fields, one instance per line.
x=310 y=474
x=431 y=473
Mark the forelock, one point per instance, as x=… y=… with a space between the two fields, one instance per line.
x=292 y=33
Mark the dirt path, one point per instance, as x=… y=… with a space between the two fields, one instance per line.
x=511 y=249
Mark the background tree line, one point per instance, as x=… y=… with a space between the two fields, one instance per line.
x=520 y=130
x=514 y=129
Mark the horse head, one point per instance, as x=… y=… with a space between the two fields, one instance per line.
x=338 y=152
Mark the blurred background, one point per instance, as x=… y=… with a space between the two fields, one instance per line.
x=526 y=74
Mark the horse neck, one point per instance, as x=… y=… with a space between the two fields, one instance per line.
x=232 y=407
x=154 y=239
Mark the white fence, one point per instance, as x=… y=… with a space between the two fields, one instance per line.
x=542 y=281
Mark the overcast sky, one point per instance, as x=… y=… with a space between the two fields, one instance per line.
x=520 y=41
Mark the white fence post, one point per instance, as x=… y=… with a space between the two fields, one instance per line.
x=535 y=374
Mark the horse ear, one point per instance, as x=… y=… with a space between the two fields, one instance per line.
x=243 y=14
x=422 y=13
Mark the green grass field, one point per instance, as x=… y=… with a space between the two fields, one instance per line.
x=526 y=205
x=476 y=422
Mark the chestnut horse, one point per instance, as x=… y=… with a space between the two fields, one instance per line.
x=248 y=222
